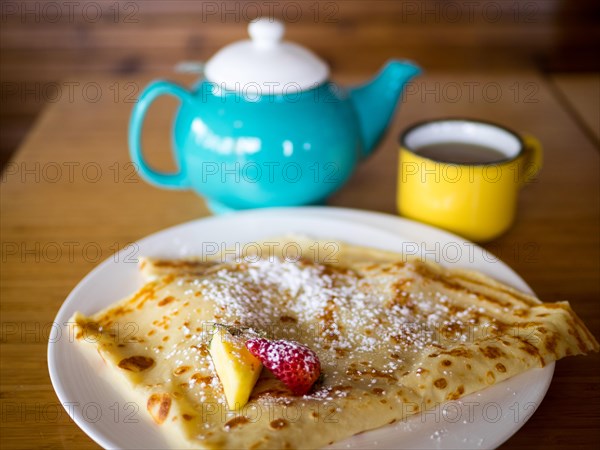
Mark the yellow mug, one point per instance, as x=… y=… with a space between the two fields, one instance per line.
x=473 y=197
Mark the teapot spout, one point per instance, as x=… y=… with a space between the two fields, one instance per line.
x=375 y=102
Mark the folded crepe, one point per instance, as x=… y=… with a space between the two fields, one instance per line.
x=395 y=336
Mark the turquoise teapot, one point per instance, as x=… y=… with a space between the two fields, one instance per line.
x=266 y=127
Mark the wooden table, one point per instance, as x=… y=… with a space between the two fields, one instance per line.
x=581 y=94
x=69 y=199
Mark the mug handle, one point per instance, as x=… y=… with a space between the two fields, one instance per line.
x=176 y=180
x=533 y=159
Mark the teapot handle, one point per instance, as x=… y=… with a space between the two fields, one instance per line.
x=176 y=180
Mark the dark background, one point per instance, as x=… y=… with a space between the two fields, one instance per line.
x=48 y=43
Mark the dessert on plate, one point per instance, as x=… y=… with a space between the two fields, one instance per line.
x=264 y=352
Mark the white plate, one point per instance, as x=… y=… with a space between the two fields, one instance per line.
x=481 y=420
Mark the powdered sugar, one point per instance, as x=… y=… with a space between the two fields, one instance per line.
x=339 y=309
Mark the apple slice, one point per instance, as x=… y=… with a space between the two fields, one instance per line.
x=236 y=367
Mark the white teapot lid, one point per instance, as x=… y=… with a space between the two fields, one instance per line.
x=266 y=64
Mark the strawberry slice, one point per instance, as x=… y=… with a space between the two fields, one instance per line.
x=296 y=365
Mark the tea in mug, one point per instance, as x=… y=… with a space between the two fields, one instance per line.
x=460 y=153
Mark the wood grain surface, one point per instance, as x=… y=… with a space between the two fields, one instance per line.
x=45 y=42
x=69 y=199
x=581 y=93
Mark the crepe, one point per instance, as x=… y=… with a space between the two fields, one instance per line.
x=395 y=337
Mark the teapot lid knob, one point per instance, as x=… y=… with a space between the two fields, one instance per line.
x=266 y=32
